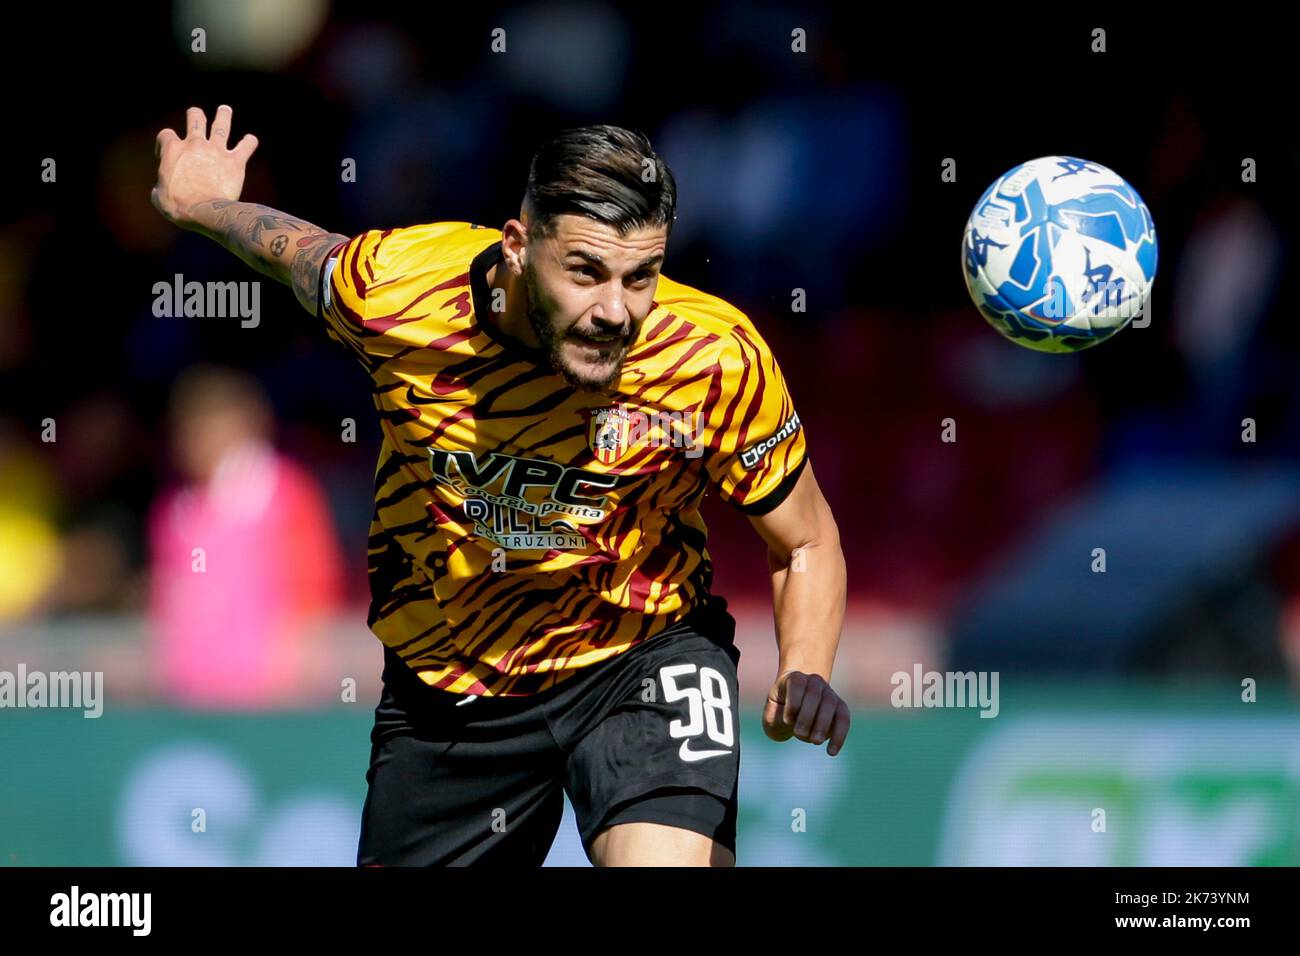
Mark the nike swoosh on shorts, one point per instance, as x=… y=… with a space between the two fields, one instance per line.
x=691 y=756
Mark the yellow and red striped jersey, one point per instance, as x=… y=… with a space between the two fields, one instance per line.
x=524 y=529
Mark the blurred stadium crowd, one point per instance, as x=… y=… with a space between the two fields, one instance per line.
x=818 y=172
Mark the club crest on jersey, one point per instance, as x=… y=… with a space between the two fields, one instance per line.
x=609 y=431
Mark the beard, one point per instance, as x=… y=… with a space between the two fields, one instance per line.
x=597 y=377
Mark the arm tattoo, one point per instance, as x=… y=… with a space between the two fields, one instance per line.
x=277 y=223
x=260 y=236
x=308 y=258
x=248 y=221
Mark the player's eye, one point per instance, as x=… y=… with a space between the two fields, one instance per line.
x=589 y=271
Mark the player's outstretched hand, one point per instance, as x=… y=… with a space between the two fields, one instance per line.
x=199 y=167
x=804 y=706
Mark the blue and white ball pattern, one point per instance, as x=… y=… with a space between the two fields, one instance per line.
x=1059 y=254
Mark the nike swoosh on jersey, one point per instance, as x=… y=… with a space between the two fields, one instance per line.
x=690 y=756
x=417 y=400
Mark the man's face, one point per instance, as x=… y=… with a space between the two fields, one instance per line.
x=589 y=290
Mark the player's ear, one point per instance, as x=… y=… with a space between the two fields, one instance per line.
x=514 y=245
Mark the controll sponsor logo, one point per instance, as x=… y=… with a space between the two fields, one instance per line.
x=753 y=456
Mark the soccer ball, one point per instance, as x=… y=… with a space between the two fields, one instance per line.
x=1059 y=254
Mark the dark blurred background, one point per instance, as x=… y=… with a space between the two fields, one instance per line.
x=817 y=170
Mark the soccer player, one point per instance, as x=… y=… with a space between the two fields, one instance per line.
x=553 y=411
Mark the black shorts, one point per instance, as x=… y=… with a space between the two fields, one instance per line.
x=649 y=735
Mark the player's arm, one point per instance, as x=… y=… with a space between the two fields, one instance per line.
x=199 y=182
x=808 y=588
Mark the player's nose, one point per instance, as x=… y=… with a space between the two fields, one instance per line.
x=610 y=313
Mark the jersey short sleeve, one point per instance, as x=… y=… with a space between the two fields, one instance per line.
x=754 y=441
x=350 y=272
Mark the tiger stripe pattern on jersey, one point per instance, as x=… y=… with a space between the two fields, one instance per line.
x=524 y=529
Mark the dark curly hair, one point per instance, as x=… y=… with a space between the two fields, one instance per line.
x=606 y=173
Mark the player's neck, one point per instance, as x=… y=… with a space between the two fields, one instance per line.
x=514 y=320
